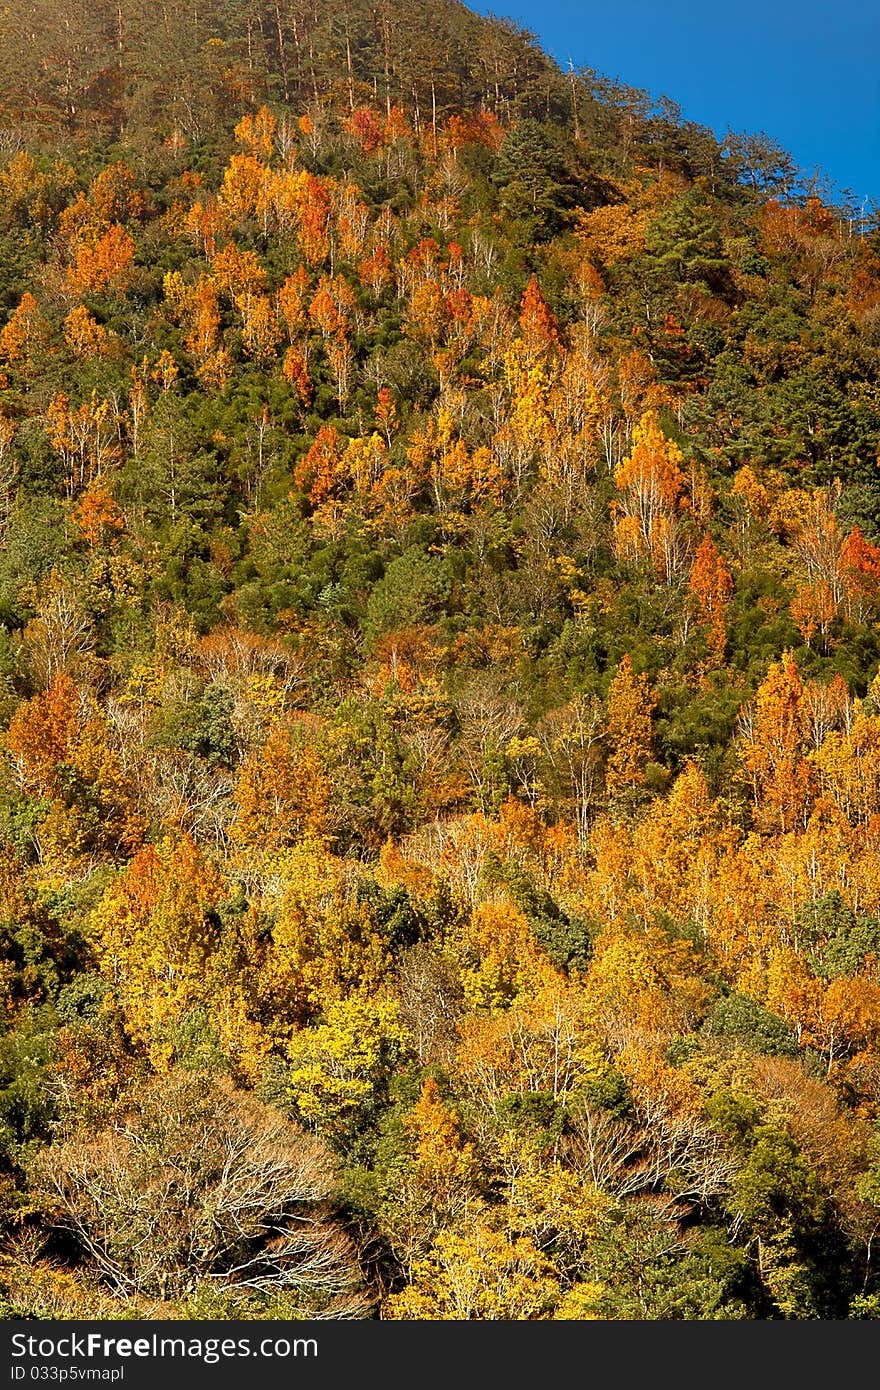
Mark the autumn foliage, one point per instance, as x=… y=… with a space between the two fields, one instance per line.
x=439 y=696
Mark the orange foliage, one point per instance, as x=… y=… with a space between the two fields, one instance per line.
x=539 y=327
x=860 y=569
x=772 y=749
x=103 y=266
x=281 y=793
x=41 y=735
x=295 y=372
x=24 y=333
x=711 y=583
x=97 y=517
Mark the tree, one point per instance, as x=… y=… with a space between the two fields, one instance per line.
x=534 y=182
x=159 y=936
x=643 y=982
x=281 y=793
x=760 y=162
x=778 y=1195
x=59 y=639
x=97 y=516
x=84 y=335
x=650 y=483
x=685 y=246
x=539 y=328
x=339 y=1069
x=631 y=703
x=257 y=132
x=478 y=1272
x=711 y=583
x=103 y=265
x=41 y=735
x=772 y=749
x=813 y=609
x=24 y=335
x=860 y=566
x=571 y=738
x=199 y=1186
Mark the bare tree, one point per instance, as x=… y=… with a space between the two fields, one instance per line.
x=198 y=1183
x=572 y=738
x=59 y=639
x=430 y=1002
x=489 y=717
x=676 y=1157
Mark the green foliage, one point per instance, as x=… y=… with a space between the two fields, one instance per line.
x=28 y=1101
x=685 y=245
x=776 y=1183
x=837 y=940
x=414 y=589
x=646 y=1274
x=746 y=1023
x=536 y=186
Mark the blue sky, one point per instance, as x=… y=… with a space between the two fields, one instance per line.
x=807 y=73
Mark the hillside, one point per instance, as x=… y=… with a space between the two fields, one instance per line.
x=439 y=698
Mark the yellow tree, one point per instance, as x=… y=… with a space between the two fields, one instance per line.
x=479 y=1272
x=676 y=853
x=242 y=186
x=292 y=306
x=650 y=484
x=257 y=132
x=631 y=703
x=8 y=466
x=260 y=332
x=84 y=335
x=325 y=945
x=336 y=1067
x=158 y=937
x=643 y=982
x=437 y=1183
x=772 y=749
x=499 y=955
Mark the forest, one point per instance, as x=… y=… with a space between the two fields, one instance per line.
x=439 y=683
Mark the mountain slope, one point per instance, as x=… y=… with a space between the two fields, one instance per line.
x=439 y=704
